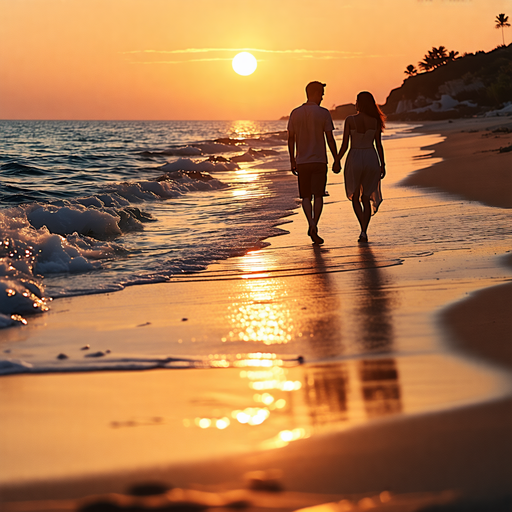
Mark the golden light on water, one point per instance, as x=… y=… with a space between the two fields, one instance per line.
x=204 y=423
x=244 y=129
x=259 y=313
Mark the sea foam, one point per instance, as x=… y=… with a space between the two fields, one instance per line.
x=186 y=164
x=83 y=212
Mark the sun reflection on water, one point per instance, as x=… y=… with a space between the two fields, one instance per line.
x=281 y=402
x=260 y=315
x=259 y=312
x=244 y=129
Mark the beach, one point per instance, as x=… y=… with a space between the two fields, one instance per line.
x=368 y=377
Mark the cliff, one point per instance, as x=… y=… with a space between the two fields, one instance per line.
x=469 y=85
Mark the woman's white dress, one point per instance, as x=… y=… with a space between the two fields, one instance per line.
x=363 y=166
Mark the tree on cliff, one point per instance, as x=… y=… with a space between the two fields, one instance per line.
x=436 y=57
x=411 y=70
x=501 y=22
x=452 y=55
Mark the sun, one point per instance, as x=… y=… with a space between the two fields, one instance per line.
x=244 y=63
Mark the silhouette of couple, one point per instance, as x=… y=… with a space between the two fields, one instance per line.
x=309 y=127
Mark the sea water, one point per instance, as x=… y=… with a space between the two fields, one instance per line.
x=95 y=206
x=91 y=207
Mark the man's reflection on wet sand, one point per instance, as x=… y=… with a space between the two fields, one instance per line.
x=373 y=310
x=380 y=386
x=324 y=320
x=329 y=387
x=326 y=393
x=379 y=377
x=325 y=385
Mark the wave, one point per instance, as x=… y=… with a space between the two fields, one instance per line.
x=76 y=235
x=17 y=169
x=74 y=222
x=102 y=361
x=180 y=151
x=223 y=145
x=210 y=165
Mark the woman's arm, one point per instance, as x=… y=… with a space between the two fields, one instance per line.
x=380 y=152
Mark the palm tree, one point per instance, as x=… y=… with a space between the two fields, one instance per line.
x=411 y=70
x=440 y=53
x=501 y=22
x=428 y=62
x=452 y=55
x=435 y=58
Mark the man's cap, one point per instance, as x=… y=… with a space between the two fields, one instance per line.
x=312 y=86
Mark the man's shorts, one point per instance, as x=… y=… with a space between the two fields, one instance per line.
x=312 y=179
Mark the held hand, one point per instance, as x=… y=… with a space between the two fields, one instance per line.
x=382 y=171
x=336 y=167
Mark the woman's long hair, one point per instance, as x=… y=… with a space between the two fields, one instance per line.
x=366 y=104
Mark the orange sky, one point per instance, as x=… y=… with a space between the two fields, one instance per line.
x=171 y=59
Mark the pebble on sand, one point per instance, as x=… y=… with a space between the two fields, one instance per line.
x=96 y=354
x=62 y=356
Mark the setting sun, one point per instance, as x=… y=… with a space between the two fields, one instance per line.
x=245 y=63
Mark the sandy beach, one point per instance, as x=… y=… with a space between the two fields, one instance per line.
x=472 y=166
x=423 y=419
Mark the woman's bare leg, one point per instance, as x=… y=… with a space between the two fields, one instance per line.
x=358 y=210
x=362 y=209
x=367 y=213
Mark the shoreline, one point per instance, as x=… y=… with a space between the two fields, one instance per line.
x=472 y=168
x=464 y=440
x=459 y=174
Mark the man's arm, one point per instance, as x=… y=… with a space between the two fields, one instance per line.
x=291 y=150
x=331 y=142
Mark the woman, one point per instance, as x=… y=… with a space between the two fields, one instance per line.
x=364 y=167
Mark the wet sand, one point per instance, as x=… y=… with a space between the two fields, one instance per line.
x=472 y=166
x=399 y=393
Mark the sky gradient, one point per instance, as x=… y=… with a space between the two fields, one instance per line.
x=171 y=59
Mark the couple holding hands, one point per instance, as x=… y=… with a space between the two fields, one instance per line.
x=309 y=127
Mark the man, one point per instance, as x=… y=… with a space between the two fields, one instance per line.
x=308 y=128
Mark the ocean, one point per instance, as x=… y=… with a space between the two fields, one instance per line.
x=94 y=206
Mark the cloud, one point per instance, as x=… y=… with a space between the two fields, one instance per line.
x=209 y=50
x=180 y=61
x=299 y=53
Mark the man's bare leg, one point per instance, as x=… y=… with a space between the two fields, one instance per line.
x=313 y=212
x=318 y=207
x=308 y=212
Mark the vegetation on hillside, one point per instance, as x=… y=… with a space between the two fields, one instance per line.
x=482 y=80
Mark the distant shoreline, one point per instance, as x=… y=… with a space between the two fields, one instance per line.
x=473 y=167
